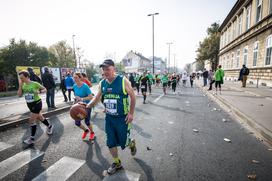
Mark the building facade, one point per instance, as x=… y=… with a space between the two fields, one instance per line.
x=159 y=65
x=246 y=38
x=136 y=63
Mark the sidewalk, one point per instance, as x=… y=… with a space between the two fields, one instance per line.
x=249 y=105
x=21 y=115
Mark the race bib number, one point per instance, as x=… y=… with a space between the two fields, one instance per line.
x=111 y=106
x=143 y=86
x=29 y=97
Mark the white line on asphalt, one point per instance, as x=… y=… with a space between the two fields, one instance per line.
x=61 y=170
x=123 y=175
x=158 y=98
x=4 y=146
x=17 y=161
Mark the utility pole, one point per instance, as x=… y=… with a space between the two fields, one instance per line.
x=153 y=40
x=169 y=44
x=73 y=36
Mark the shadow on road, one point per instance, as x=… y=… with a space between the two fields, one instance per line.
x=146 y=168
x=35 y=167
x=97 y=168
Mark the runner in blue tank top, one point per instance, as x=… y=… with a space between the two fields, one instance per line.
x=115 y=90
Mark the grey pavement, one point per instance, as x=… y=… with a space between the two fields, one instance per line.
x=250 y=105
x=178 y=136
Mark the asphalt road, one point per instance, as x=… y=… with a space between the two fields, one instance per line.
x=179 y=137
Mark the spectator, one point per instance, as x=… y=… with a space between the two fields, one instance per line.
x=205 y=77
x=244 y=72
x=33 y=76
x=63 y=88
x=211 y=79
x=219 y=77
x=49 y=84
x=69 y=82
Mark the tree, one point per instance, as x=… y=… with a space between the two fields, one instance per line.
x=188 y=68
x=20 y=53
x=91 y=70
x=63 y=53
x=209 y=48
x=119 y=67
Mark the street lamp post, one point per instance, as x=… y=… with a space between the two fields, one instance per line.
x=153 y=38
x=73 y=36
x=169 y=44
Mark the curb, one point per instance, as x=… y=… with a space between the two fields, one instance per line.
x=7 y=125
x=260 y=131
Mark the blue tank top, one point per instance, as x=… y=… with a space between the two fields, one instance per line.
x=115 y=97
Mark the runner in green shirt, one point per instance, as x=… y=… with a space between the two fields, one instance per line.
x=164 y=81
x=218 y=77
x=150 y=81
x=31 y=90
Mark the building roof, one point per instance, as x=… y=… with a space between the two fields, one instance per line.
x=234 y=9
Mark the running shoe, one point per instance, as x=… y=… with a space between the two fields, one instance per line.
x=114 y=167
x=29 y=141
x=132 y=146
x=92 y=135
x=49 y=129
x=85 y=134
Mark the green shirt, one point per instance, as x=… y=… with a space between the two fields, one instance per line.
x=164 y=79
x=30 y=91
x=219 y=74
x=150 y=78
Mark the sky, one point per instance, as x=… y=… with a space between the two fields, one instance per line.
x=114 y=27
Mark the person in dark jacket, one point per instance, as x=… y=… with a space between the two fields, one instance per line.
x=205 y=77
x=33 y=76
x=63 y=88
x=49 y=84
x=243 y=75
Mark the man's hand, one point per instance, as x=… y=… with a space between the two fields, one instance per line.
x=129 y=118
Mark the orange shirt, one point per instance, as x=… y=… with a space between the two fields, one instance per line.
x=87 y=82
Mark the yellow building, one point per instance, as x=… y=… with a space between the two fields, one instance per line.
x=246 y=38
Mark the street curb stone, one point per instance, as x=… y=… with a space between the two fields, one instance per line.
x=260 y=130
x=7 y=125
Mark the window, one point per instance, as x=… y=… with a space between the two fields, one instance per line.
x=237 y=58
x=227 y=62
x=233 y=30
x=229 y=35
x=239 y=25
x=245 y=55
x=268 y=55
x=248 y=14
x=232 y=60
x=259 y=11
x=255 y=53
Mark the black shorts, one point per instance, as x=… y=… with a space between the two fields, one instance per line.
x=144 y=88
x=35 y=107
x=164 y=84
x=218 y=83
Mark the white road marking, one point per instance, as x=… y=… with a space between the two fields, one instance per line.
x=4 y=146
x=17 y=161
x=158 y=98
x=61 y=170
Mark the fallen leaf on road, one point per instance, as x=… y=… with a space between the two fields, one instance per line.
x=261 y=105
x=227 y=140
x=255 y=161
x=148 y=149
x=44 y=161
x=171 y=154
x=252 y=176
x=195 y=130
